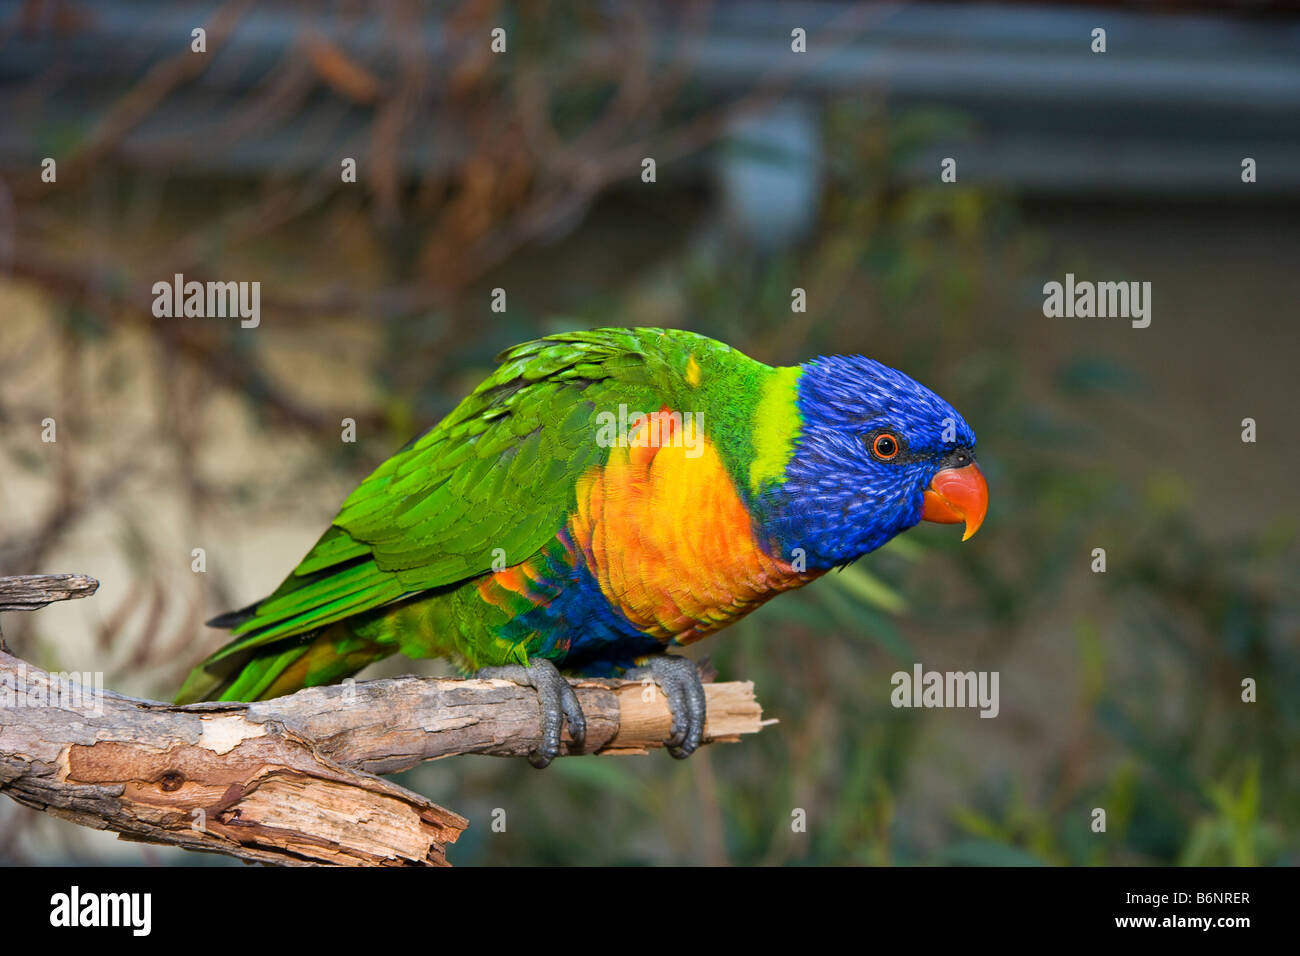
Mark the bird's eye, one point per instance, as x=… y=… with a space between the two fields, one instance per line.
x=884 y=446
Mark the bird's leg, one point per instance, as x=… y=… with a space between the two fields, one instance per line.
x=557 y=700
x=679 y=679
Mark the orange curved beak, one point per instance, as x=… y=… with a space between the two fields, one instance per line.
x=957 y=495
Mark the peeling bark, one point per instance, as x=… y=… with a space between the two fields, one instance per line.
x=293 y=780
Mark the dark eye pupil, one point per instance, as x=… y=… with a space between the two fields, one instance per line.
x=885 y=445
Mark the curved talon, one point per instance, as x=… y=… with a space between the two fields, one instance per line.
x=540 y=759
x=679 y=679
x=557 y=701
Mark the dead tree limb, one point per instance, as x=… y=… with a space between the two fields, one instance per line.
x=27 y=592
x=290 y=780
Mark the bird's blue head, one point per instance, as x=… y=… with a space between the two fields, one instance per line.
x=875 y=453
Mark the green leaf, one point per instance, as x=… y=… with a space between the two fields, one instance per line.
x=869 y=589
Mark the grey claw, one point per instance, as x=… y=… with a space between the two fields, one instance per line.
x=679 y=679
x=558 y=703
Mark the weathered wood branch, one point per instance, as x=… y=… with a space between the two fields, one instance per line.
x=203 y=779
x=27 y=592
x=292 y=780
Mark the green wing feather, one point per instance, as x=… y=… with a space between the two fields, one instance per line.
x=499 y=472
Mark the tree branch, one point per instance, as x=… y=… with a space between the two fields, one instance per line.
x=290 y=780
x=28 y=592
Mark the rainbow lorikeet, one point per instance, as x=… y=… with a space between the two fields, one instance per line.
x=602 y=497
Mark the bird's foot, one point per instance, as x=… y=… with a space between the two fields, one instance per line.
x=558 y=702
x=679 y=679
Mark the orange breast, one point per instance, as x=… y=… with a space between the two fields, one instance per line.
x=667 y=537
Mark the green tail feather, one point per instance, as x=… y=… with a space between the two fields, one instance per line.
x=281 y=667
x=243 y=675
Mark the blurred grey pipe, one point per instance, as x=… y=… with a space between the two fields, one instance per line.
x=1172 y=107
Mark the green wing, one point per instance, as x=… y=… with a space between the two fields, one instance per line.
x=499 y=472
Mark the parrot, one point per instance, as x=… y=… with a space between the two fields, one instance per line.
x=603 y=497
